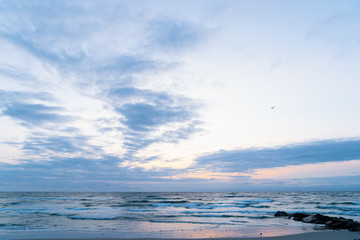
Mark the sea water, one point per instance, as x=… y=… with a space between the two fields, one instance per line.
x=168 y=214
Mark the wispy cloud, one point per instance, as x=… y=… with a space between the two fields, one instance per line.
x=173 y=34
x=245 y=160
x=144 y=117
x=82 y=60
x=7 y=97
x=125 y=65
x=94 y=94
x=152 y=116
x=35 y=114
x=58 y=145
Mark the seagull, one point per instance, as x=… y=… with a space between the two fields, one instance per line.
x=272 y=107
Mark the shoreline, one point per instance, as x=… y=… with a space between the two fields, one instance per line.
x=217 y=233
x=269 y=233
x=318 y=235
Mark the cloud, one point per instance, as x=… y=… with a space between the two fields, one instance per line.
x=7 y=97
x=38 y=50
x=74 y=173
x=127 y=64
x=172 y=34
x=38 y=145
x=153 y=116
x=45 y=29
x=288 y=155
x=34 y=114
x=144 y=117
x=103 y=55
x=183 y=132
x=130 y=94
x=104 y=172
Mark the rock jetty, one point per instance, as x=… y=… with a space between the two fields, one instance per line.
x=335 y=223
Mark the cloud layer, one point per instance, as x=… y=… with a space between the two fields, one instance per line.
x=133 y=96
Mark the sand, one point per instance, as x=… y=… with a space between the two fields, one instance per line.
x=319 y=235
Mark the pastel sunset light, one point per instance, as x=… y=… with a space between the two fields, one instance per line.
x=179 y=95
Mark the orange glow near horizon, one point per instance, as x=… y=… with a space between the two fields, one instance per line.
x=316 y=170
x=209 y=175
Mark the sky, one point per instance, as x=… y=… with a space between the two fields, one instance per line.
x=245 y=95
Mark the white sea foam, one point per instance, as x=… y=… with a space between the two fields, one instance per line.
x=124 y=211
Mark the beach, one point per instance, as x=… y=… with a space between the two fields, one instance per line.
x=319 y=235
x=195 y=215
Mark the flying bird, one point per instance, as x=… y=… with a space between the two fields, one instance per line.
x=272 y=107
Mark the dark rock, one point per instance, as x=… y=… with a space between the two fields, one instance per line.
x=354 y=226
x=321 y=219
x=281 y=214
x=340 y=223
x=317 y=219
x=309 y=219
x=299 y=216
x=334 y=223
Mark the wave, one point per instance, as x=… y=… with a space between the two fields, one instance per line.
x=260 y=217
x=125 y=205
x=92 y=218
x=161 y=198
x=185 y=205
x=45 y=198
x=142 y=210
x=190 y=222
x=24 y=210
x=163 y=203
x=139 y=201
x=198 y=205
x=261 y=206
x=90 y=205
x=354 y=214
x=255 y=201
x=344 y=209
x=56 y=214
x=115 y=210
x=101 y=218
x=8 y=226
x=239 y=221
x=218 y=216
x=173 y=201
x=80 y=209
x=232 y=196
x=344 y=203
x=12 y=204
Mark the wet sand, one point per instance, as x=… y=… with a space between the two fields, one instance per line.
x=319 y=235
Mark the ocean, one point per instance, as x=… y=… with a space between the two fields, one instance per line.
x=168 y=214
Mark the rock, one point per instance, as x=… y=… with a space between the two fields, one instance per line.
x=321 y=219
x=334 y=223
x=354 y=227
x=299 y=216
x=281 y=214
x=317 y=219
x=309 y=219
x=342 y=223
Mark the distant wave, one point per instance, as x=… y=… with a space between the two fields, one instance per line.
x=109 y=211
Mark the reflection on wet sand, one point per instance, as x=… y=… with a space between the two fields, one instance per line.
x=182 y=232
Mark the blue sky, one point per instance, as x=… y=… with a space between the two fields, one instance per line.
x=179 y=95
